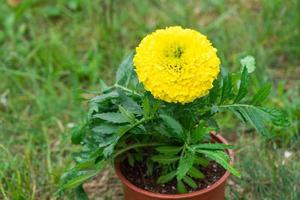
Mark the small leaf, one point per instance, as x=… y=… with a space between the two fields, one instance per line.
x=226 y=86
x=249 y=63
x=199 y=133
x=214 y=92
x=78 y=132
x=166 y=178
x=180 y=187
x=169 y=149
x=173 y=125
x=201 y=161
x=131 y=160
x=261 y=94
x=243 y=89
x=190 y=182
x=105 y=128
x=146 y=107
x=126 y=114
x=104 y=97
x=195 y=173
x=165 y=159
x=185 y=164
x=125 y=69
x=219 y=158
x=112 y=117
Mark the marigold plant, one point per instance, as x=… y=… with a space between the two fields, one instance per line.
x=161 y=111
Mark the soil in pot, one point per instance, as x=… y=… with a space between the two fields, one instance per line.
x=137 y=176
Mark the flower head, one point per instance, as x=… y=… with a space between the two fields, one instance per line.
x=176 y=64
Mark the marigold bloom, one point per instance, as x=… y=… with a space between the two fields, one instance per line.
x=176 y=64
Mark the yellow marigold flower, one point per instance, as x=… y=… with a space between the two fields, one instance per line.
x=176 y=64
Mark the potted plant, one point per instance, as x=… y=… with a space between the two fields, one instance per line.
x=157 y=124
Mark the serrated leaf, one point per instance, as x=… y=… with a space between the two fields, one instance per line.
x=249 y=63
x=126 y=114
x=185 y=164
x=219 y=158
x=166 y=178
x=105 y=128
x=190 y=182
x=181 y=187
x=112 y=117
x=104 y=97
x=243 y=89
x=277 y=117
x=199 y=133
x=124 y=71
x=195 y=173
x=165 y=159
x=168 y=149
x=129 y=103
x=174 y=125
x=261 y=94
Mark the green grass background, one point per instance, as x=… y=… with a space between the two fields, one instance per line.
x=51 y=51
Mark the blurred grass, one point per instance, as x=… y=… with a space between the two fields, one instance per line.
x=51 y=51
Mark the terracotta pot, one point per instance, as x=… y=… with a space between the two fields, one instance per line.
x=215 y=191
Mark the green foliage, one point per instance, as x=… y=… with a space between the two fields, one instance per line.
x=123 y=113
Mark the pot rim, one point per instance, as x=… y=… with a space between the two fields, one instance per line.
x=126 y=182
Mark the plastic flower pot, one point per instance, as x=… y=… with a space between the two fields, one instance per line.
x=216 y=191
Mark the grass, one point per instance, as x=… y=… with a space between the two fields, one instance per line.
x=52 y=51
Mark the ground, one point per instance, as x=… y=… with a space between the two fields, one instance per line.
x=51 y=52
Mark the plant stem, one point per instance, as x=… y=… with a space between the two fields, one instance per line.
x=127 y=90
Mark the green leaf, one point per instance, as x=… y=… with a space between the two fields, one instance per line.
x=105 y=128
x=201 y=161
x=80 y=193
x=226 y=86
x=221 y=159
x=214 y=92
x=261 y=94
x=78 y=132
x=131 y=160
x=129 y=103
x=105 y=97
x=199 y=133
x=185 y=164
x=146 y=107
x=173 y=125
x=126 y=114
x=180 y=187
x=195 y=173
x=212 y=146
x=165 y=159
x=75 y=178
x=277 y=117
x=190 y=182
x=166 y=178
x=249 y=63
x=112 y=117
x=124 y=71
x=253 y=115
x=243 y=89
x=169 y=149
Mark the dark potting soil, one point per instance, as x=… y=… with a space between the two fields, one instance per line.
x=137 y=176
